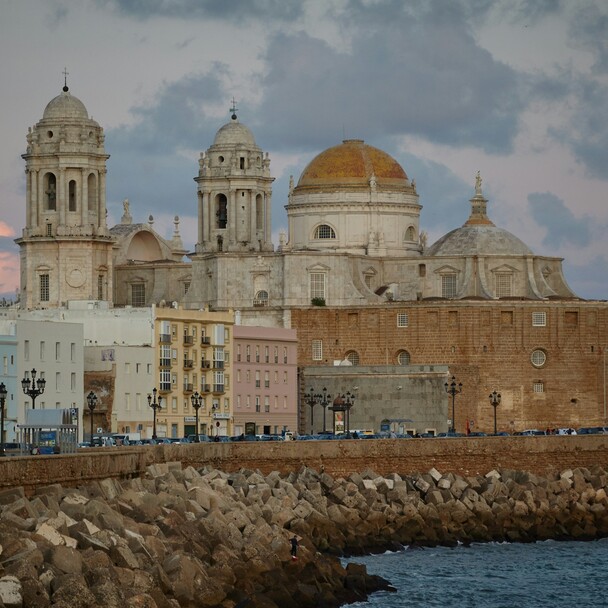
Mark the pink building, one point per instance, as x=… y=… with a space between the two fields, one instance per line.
x=264 y=380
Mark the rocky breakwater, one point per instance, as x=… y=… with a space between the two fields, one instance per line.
x=181 y=537
x=175 y=538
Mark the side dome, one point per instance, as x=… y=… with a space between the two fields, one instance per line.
x=482 y=240
x=234 y=133
x=353 y=164
x=65 y=106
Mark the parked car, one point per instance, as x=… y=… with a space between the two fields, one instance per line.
x=593 y=430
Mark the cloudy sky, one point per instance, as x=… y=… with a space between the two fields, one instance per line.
x=515 y=89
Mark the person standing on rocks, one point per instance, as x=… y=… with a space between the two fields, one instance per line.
x=294 y=547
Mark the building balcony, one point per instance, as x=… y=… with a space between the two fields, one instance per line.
x=205 y=388
x=205 y=341
x=218 y=365
x=188 y=363
x=205 y=364
x=260 y=302
x=218 y=388
x=164 y=362
x=165 y=387
x=188 y=388
x=165 y=338
x=188 y=340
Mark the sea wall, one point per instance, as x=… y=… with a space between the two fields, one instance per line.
x=181 y=537
x=461 y=456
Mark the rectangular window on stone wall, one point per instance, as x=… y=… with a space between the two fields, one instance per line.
x=538 y=387
x=402 y=319
x=539 y=319
x=503 y=285
x=44 y=287
x=138 y=295
x=317 y=350
x=100 y=287
x=317 y=285
x=448 y=286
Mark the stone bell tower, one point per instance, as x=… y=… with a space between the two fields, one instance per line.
x=234 y=193
x=66 y=248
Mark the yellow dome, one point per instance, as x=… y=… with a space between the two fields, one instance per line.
x=353 y=164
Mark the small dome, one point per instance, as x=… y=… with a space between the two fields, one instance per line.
x=65 y=106
x=234 y=133
x=478 y=240
x=353 y=164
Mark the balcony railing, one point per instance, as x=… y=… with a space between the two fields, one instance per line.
x=205 y=340
x=165 y=387
x=218 y=365
x=188 y=340
x=188 y=388
x=188 y=363
x=205 y=388
x=218 y=388
x=260 y=302
x=165 y=338
x=205 y=364
x=165 y=362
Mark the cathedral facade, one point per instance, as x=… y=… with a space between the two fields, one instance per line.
x=354 y=275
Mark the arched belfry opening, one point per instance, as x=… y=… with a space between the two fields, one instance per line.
x=221 y=211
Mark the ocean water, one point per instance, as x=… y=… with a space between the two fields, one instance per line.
x=552 y=574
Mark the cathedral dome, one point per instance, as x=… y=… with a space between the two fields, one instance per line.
x=478 y=240
x=353 y=164
x=234 y=133
x=65 y=106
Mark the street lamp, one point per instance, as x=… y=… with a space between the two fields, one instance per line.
x=32 y=387
x=3 y=393
x=494 y=402
x=311 y=399
x=91 y=402
x=324 y=401
x=155 y=405
x=453 y=388
x=197 y=401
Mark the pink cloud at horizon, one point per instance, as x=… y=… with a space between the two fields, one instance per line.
x=6 y=230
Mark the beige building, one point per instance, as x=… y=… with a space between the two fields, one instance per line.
x=193 y=349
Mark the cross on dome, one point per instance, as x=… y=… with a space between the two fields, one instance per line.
x=65 y=79
x=233 y=108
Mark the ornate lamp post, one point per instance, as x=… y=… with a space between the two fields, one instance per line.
x=452 y=388
x=197 y=401
x=494 y=402
x=91 y=402
x=3 y=393
x=155 y=405
x=32 y=387
x=324 y=401
x=349 y=403
x=311 y=399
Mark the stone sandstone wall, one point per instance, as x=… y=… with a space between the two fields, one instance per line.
x=466 y=456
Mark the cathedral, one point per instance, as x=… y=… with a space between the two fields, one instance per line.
x=354 y=274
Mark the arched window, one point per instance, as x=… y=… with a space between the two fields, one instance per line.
x=259 y=212
x=50 y=191
x=353 y=357
x=410 y=234
x=324 y=232
x=221 y=211
x=72 y=195
x=403 y=358
x=261 y=298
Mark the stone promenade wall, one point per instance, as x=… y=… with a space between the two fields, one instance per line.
x=466 y=456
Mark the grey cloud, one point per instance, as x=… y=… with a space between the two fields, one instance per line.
x=561 y=224
x=148 y=164
x=589 y=31
x=235 y=10
x=401 y=79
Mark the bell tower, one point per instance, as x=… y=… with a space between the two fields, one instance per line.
x=66 y=248
x=234 y=193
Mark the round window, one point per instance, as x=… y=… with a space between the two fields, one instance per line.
x=538 y=358
x=403 y=358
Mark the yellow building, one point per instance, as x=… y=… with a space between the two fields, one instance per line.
x=193 y=363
